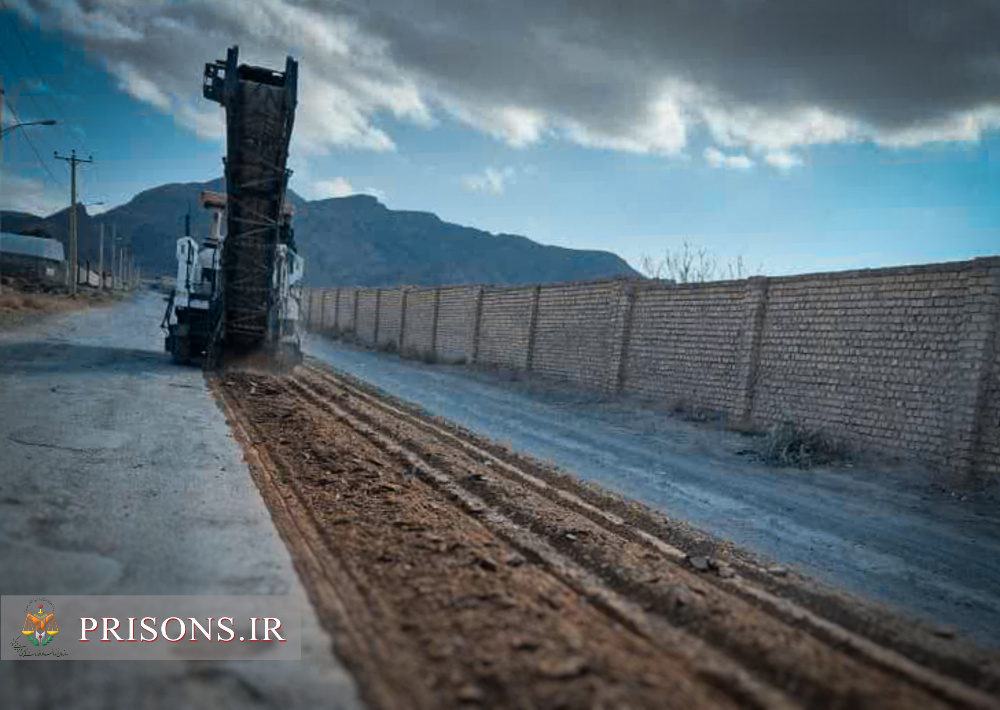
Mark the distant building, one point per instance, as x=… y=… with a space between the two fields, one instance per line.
x=21 y=255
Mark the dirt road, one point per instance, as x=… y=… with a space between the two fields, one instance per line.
x=452 y=571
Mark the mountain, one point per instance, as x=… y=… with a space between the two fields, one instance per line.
x=353 y=240
x=358 y=240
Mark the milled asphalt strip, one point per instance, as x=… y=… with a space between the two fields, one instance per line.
x=618 y=609
x=342 y=605
x=780 y=608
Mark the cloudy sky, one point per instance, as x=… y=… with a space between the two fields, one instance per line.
x=802 y=135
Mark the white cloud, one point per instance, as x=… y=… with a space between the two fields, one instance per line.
x=489 y=182
x=635 y=76
x=32 y=195
x=141 y=87
x=337 y=187
x=968 y=126
x=717 y=159
x=323 y=189
x=206 y=122
x=782 y=159
x=157 y=50
x=516 y=126
x=99 y=24
x=748 y=126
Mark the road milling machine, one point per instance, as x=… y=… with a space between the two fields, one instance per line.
x=239 y=295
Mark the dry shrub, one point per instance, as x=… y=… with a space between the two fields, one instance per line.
x=790 y=445
x=13 y=302
x=681 y=408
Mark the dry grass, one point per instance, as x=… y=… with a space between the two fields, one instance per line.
x=22 y=302
x=794 y=446
x=681 y=408
x=12 y=302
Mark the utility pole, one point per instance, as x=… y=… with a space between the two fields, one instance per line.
x=114 y=256
x=73 y=162
x=1 y=167
x=100 y=262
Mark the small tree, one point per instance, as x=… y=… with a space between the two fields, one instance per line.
x=692 y=265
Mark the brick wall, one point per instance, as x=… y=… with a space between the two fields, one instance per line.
x=367 y=312
x=327 y=315
x=573 y=332
x=988 y=418
x=390 y=311
x=989 y=442
x=418 y=338
x=344 y=309
x=310 y=299
x=880 y=358
x=904 y=360
x=456 y=314
x=504 y=325
x=684 y=344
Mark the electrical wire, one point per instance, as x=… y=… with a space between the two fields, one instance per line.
x=27 y=136
x=34 y=66
x=55 y=102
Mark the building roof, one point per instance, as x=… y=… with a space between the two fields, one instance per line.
x=31 y=246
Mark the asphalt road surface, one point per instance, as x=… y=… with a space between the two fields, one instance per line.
x=118 y=475
x=889 y=534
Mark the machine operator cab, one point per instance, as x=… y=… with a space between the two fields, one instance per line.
x=188 y=320
x=198 y=267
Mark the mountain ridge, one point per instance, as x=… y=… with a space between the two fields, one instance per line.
x=347 y=241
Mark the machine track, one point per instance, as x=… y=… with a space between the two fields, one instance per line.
x=453 y=571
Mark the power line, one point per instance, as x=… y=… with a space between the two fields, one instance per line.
x=27 y=136
x=37 y=105
x=30 y=140
x=10 y=64
x=31 y=60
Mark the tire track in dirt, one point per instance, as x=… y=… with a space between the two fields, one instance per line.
x=845 y=622
x=466 y=576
